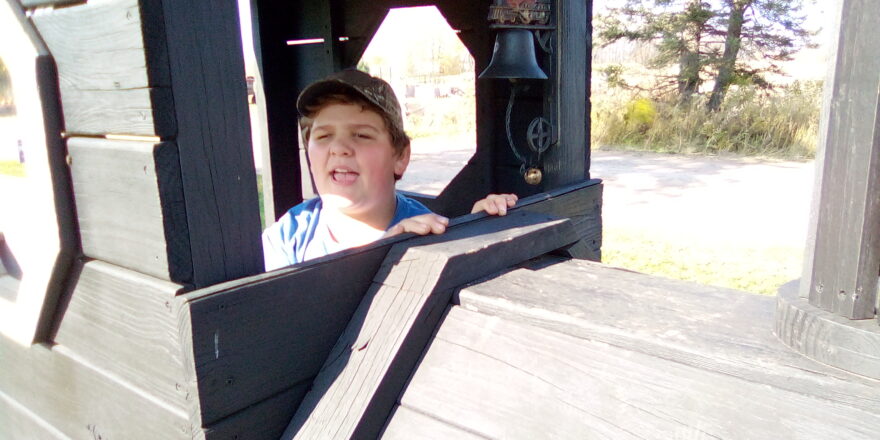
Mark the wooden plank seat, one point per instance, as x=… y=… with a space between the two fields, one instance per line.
x=574 y=349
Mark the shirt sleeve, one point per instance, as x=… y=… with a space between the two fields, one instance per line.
x=406 y=208
x=275 y=254
x=284 y=242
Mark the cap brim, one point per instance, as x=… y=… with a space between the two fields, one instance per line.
x=310 y=95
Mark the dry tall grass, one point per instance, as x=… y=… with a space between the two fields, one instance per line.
x=782 y=123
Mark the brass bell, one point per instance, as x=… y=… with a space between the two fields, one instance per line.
x=514 y=56
x=533 y=176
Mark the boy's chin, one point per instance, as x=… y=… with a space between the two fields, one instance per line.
x=336 y=202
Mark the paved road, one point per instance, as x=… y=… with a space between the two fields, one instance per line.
x=729 y=200
x=709 y=199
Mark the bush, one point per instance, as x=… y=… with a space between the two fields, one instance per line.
x=752 y=121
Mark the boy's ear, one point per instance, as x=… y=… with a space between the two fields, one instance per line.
x=401 y=161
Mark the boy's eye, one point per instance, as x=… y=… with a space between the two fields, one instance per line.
x=363 y=135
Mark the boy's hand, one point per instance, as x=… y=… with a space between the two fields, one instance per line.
x=421 y=224
x=495 y=204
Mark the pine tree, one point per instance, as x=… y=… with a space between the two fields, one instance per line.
x=724 y=41
x=677 y=29
x=759 y=35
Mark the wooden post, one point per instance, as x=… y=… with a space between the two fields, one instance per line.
x=287 y=70
x=843 y=264
x=569 y=161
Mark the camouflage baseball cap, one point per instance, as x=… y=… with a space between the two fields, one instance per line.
x=374 y=90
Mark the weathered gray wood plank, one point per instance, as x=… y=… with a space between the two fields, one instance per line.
x=406 y=423
x=124 y=323
x=268 y=334
x=83 y=401
x=203 y=42
x=852 y=345
x=130 y=205
x=847 y=247
x=108 y=81
x=20 y=423
x=819 y=162
x=358 y=385
x=114 y=57
x=259 y=321
x=710 y=328
x=501 y=378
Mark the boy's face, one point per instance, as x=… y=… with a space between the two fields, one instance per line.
x=353 y=161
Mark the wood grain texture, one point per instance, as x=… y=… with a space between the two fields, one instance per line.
x=568 y=161
x=250 y=339
x=124 y=323
x=851 y=345
x=259 y=321
x=502 y=378
x=847 y=244
x=358 y=385
x=108 y=82
x=406 y=423
x=81 y=400
x=20 y=423
x=129 y=205
x=834 y=16
x=266 y=419
x=204 y=52
x=714 y=329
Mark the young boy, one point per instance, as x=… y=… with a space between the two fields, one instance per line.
x=357 y=150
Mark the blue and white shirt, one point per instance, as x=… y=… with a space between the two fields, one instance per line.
x=296 y=237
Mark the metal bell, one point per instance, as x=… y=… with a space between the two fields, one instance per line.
x=514 y=56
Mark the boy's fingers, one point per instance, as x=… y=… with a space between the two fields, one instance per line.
x=435 y=223
x=478 y=206
x=501 y=204
x=421 y=225
x=490 y=207
x=394 y=230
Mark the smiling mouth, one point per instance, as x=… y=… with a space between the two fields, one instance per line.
x=343 y=176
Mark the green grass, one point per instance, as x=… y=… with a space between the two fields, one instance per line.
x=753 y=122
x=12 y=168
x=260 y=196
x=757 y=270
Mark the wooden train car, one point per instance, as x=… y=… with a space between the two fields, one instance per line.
x=152 y=316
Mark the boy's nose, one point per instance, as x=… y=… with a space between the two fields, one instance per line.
x=340 y=147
